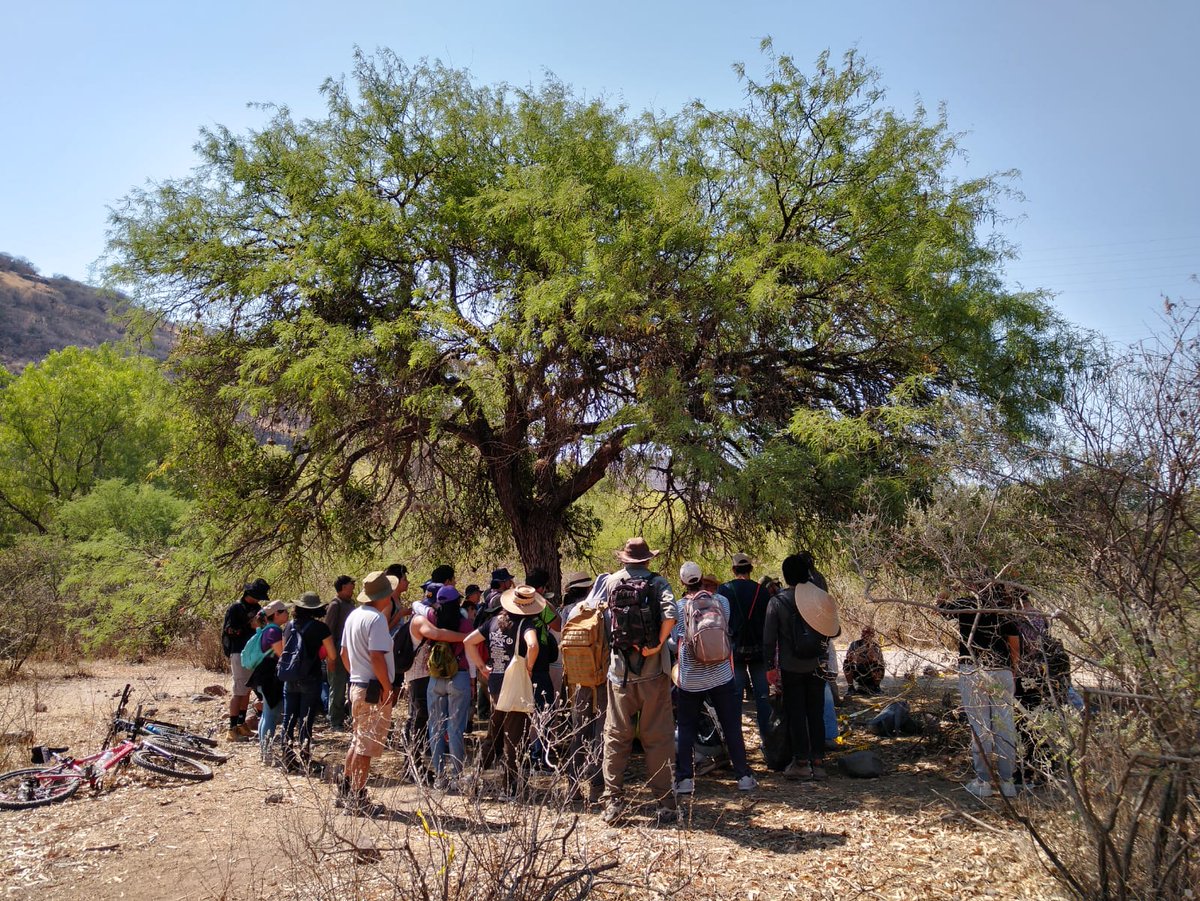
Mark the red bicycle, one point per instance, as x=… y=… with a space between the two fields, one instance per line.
x=38 y=786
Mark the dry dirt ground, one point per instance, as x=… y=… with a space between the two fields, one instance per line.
x=254 y=831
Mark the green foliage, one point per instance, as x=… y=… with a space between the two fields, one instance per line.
x=463 y=306
x=144 y=514
x=78 y=417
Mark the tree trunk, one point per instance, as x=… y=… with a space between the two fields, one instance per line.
x=537 y=539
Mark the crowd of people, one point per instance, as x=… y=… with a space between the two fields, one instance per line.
x=619 y=661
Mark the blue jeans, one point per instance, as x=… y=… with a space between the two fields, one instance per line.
x=301 y=701
x=728 y=704
x=757 y=674
x=268 y=720
x=449 y=708
x=831 y=723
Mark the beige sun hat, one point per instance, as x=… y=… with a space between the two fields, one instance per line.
x=523 y=600
x=818 y=609
x=377 y=586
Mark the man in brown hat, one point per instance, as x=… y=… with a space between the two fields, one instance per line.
x=367 y=657
x=639 y=680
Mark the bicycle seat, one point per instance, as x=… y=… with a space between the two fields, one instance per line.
x=43 y=754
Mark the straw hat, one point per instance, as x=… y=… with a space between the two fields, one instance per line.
x=522 y=601
x=818 y=609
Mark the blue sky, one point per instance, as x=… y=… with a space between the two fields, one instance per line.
x=1094 y=102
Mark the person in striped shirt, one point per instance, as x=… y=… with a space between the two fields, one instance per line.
x=695 y=683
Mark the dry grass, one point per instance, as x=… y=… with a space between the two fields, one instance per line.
x=255 y=832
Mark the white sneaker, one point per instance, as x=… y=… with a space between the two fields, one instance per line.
x=1008 y=789
x=747 y=784
x=979 y=788
x=685 y=787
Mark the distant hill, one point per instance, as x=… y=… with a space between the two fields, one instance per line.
x=39 y=315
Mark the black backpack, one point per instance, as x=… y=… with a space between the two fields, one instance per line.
x=404 y=652
x=636 y=620
x=807 y=643
x=294 y=664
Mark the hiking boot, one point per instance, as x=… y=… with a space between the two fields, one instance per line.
x=747 y=783
x=798 y=770
x=979 y=788
x=818 y=773
x=357 y=805
x=235 y=734
x=613 y=811
x=666 y=816
x=343 y=792
x=685 y=786
x=1008 y=789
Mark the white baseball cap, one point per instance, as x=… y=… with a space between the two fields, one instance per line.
x=690 y=573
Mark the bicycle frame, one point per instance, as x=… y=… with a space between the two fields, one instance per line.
x=92 y=768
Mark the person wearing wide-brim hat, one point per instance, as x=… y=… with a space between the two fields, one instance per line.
x=367 y=655
x=504 y=640
x=639 y=689
x=302 y=695
x=801 y=619
x=522 y=600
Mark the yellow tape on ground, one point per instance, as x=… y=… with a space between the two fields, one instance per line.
x=432 y=834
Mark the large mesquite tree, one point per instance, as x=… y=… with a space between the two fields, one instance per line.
x=465 y=305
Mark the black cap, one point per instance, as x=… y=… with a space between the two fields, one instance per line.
x=258 y=589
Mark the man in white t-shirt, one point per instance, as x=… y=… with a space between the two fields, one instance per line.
x=367 y=657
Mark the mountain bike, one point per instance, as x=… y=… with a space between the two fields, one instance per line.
x=39 y=786
x=176 y=739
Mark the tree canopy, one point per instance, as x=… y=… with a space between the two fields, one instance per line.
x=76 y=418
x=465 y=305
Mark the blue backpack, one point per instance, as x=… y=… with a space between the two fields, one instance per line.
x=294 y=664
x=253 y=653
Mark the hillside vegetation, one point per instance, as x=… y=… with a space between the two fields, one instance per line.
x=39 y=315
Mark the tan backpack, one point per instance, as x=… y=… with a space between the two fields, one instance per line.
x=584 y=647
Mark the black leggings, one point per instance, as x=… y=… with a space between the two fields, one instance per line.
x=804 y=704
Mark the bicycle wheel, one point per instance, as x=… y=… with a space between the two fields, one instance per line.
x=197 y=752
x=162 y=761
x=170 y=730
x=36 y=787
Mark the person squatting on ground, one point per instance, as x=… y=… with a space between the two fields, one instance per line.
x=339 y=680
x=305 y=639
x=641 y=612
x=509 y=639
x=367 y=656
x=800 y=620
x=863 y=664
x=702 y=636
x=236 y=630
x=988 y=659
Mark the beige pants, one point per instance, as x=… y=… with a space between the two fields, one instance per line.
x=652 y=699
